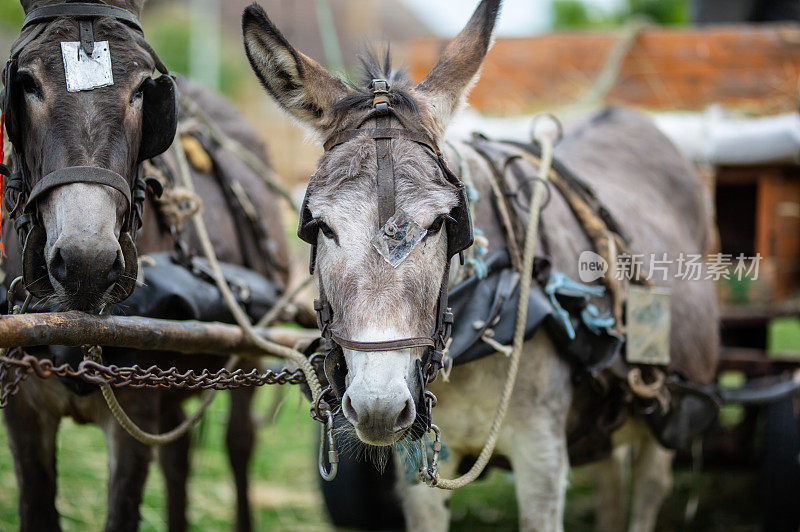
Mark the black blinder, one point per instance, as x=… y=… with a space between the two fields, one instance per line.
x=459 y=230
x=308 y=231
x=159 y=116
x=336 y=371
x=127 y=282
x=308 y=228
x=34 y=265
x=9 y=100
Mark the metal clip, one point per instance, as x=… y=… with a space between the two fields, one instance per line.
x=13 y=308
x=429 y=473
x=326 y=433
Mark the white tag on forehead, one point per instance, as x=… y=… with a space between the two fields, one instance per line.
x=83 y=72
x=397 y=238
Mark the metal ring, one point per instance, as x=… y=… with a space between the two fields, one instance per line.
x=316 y=411
x=538 y=118
x=12 y=293
x=549 y=194
x=430 y=398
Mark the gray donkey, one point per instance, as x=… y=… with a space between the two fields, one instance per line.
x=639 y=177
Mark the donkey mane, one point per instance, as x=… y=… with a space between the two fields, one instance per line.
x=346 y=164
x=360 y=96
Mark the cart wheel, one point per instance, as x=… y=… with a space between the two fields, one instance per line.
x=362 y=498
x=781 y=468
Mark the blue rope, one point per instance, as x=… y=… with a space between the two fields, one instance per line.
x=591 y=316
x=413 y=458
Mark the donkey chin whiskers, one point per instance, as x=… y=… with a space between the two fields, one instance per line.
x=351 y=446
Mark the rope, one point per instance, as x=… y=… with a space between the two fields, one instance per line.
x=286 y=299
x=178 y=204
x=505 y=215
x=239 y=315
x=95 y=354
x=531 y=236
x=255 y=163
x=609 y=73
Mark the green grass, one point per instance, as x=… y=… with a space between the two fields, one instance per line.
x=284 y=479
x=284 y=483
x=783 y=335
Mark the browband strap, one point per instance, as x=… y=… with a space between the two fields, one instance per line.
x=80 y=10
x=378 y=133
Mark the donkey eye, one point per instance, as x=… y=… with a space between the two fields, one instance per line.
x=138 y=93
x=327 y=231
x=31 y=86
x=438 y=222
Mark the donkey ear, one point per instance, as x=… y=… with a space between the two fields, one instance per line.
x=298 y=83
x=449 y=81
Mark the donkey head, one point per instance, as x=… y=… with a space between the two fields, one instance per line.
x=370 y=299
x=105 y=128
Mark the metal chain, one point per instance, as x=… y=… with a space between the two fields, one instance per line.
x=16 y=366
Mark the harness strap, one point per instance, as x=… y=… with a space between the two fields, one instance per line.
x=383 y=152
x=501 y=202
x=381 y=132
x=386 y=345
x=80 y=174
x=80 y=10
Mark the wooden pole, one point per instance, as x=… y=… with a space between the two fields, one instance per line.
x=190 y=337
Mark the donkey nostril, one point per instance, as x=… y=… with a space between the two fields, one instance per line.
x=58 y=267
x=406 y=416
x=116 y=269
x=348 y=410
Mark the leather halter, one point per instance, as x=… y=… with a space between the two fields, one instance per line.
x=79 y=174
x=21 y=199
x=383 y=134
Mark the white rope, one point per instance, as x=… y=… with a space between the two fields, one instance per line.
x=532 y=233
x=239 y=315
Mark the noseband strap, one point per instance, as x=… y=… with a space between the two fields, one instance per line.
x=79 y=174
x=387 y=345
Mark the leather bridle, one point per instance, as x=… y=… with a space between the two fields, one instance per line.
x=459 y=237
x=158 y=130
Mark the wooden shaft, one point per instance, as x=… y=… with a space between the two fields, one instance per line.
x=190 y=337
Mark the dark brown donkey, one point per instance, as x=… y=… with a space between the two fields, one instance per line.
x=85 y=259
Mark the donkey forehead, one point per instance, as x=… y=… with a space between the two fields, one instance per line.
x=127 y=57
x=345 y=185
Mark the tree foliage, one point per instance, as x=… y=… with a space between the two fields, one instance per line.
x=581 y=14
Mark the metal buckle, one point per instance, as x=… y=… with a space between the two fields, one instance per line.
x=380 y=89
x=324 y=316
x=379 y=86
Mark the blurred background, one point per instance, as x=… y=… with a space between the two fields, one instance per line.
x=720 y=77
